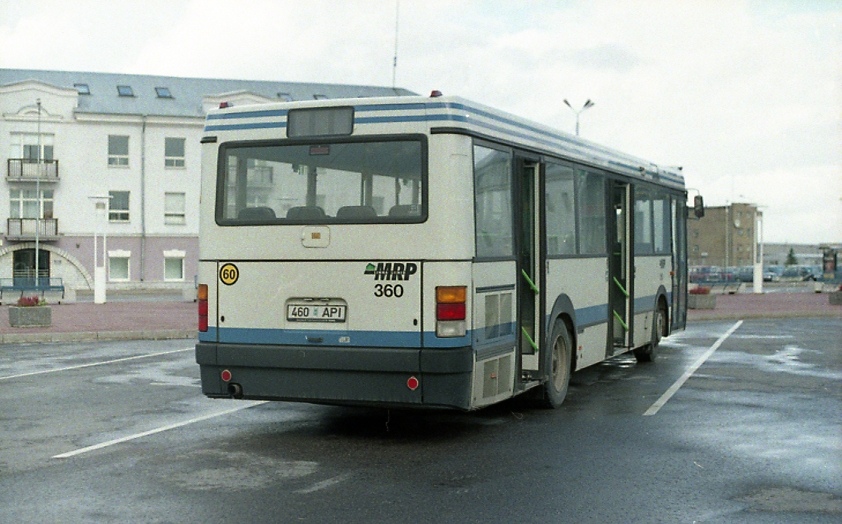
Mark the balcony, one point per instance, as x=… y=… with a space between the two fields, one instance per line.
x=23 y=229
x=28 y=170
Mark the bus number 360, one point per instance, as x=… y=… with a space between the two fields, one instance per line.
x=388 y=290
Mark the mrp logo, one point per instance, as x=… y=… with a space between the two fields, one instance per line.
x=391 y=270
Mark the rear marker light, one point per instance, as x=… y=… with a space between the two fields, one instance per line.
x=225 y=376
x=412 y=383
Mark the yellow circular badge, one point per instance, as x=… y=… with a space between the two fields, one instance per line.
x=229 y=274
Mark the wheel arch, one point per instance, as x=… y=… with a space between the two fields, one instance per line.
x=563 y=310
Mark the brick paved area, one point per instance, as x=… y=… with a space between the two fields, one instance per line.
x=177 y=319
x=112 y=320
x=768 y=305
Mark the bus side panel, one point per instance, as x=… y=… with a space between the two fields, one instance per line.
x=493 y=337
x=584 y=281
x=651 y=272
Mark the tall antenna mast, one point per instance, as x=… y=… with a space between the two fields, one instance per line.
x=395 y=59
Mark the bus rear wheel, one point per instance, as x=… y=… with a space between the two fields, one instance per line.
x=648 y=352
x=557 y=361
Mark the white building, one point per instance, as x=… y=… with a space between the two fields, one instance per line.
x=133 y=138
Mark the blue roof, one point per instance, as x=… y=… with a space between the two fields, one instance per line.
x=186 y=93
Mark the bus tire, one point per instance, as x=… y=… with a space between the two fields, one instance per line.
x=558 y=364
x=649 y=352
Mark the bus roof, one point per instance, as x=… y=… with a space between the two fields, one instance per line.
x=457 y=115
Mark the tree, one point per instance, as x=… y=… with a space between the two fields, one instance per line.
x=790 y=258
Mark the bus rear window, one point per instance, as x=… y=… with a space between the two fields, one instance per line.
x=321 y=183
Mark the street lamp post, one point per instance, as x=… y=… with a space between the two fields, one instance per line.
x=100 y=210
x=38 y=196
x=588 y=104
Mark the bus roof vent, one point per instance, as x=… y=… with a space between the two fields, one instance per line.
x=435 y=94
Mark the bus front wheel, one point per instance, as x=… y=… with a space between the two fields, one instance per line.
x=557 y=363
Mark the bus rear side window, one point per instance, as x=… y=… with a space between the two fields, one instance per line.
x=493 y=204
x=340 y=182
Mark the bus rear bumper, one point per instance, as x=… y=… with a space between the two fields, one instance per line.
x=339 y=375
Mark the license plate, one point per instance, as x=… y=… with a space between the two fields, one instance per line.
x=316 y=313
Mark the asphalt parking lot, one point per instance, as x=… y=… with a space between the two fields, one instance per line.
x=736 y=422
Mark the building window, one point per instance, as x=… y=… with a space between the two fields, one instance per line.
x=174 y=152
x=25 y=146
x=163 y=92
x=125 y=91
x=82 y=89
x=118 y=265
x=174 y=265
x=118 y=206
x=24 y=203
x=174 y=209
x=118 y=151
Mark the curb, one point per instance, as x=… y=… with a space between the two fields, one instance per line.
x=89 y=336
x=774 y=315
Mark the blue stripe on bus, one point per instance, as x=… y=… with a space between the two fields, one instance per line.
x=236 y=127
x=316 y=338
x=591 y=316
x=248 y=114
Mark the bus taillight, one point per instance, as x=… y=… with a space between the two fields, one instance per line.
x=202 y=301
x=451 y=311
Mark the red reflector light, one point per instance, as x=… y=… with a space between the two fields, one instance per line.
x=202 y=305
x=412 y=383
x=450 y=311
x=225 y=375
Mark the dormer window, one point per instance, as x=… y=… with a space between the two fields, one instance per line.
x=163 y=92
x=125 y=91
x=82 y=89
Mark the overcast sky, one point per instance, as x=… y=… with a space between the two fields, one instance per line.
x=745 y=95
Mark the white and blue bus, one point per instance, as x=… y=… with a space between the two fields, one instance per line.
x=425 y=252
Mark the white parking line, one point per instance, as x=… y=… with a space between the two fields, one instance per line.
x=247 y=404
x=687 y=374
x=318 y=486
x=92 y=364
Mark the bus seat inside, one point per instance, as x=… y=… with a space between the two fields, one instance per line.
x=256 y=213
x=305 y=213
x=404 y=210
x=356 y=212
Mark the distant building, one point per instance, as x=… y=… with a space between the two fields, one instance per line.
x=133 y=138
x=725 y=236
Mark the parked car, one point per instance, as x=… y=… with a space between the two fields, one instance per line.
x=772 y=274
x=745 y=274
x=797 y=274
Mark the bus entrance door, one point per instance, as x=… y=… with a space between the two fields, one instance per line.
x=619 y=270
x=528 y=244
